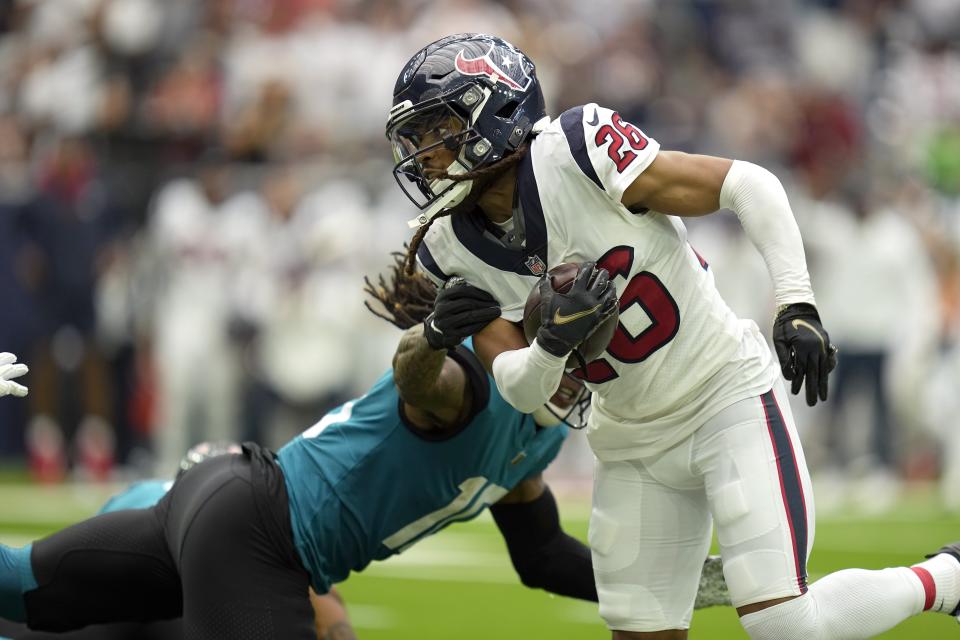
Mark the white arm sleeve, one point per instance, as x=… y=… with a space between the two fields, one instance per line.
x=758 y=199
x=526 y=378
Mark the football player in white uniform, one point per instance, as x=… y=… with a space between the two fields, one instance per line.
x=690 y=420
x=10 y=369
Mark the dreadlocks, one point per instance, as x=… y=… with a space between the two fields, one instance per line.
x=407 y=298
x=483 y=174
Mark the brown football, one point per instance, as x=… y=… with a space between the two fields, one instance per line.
x=561 y=278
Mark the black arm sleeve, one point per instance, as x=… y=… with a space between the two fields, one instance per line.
x=544 y=556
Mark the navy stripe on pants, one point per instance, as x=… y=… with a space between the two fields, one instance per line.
x=791 y=488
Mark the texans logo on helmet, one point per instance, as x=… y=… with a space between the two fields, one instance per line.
x=499 y=65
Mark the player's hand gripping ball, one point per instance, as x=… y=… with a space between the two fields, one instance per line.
x=573 y=311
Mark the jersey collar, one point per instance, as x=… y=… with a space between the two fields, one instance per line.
x=530 y=260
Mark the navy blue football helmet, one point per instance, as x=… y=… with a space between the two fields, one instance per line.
x=472 y=93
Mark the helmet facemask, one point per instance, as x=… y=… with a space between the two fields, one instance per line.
x=571 y=396
x=418 y=132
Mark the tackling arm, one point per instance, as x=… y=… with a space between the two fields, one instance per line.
x=434 y=386
x=427 y=379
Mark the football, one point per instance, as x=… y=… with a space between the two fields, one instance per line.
x=561 y=279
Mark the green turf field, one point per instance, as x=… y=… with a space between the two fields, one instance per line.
x=460 y=584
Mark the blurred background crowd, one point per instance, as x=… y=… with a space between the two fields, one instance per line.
x=191 y=192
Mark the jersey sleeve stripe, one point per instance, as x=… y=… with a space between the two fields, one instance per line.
x=428 y=262
x=572 y=124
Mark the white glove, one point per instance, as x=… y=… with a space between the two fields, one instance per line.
x=9 y=370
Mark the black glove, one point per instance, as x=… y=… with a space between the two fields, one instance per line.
x=804 y=349
x=460 y=310
x=567 y=319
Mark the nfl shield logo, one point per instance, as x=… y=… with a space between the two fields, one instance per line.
x=536 y=265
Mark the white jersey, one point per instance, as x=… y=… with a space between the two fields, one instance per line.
x=679 y=354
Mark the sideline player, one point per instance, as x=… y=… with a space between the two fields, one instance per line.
x=690 y=421
x=234 y=545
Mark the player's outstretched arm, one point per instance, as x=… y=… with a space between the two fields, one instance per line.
x=692 y=185
x=330 y=616
x=9 y=369
x=428 y=381
x=677 y=183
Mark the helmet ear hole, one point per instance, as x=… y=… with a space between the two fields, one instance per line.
x=506 y=111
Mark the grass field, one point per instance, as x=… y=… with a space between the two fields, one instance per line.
x=460 y=584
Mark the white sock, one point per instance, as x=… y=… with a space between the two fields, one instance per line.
x=846 y=605
x=940 y=577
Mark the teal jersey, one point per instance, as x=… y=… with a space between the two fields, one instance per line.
x=364 y=485
x=139 y=495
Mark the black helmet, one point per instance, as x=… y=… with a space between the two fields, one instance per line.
x=472 y=92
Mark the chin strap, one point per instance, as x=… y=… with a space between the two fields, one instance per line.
x=453 y=194
x=457 y=193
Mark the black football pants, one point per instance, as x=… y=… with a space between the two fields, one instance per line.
x=217 y=550
x=161 y=630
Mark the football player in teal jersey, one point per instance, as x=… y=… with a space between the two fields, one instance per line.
x=236 y=543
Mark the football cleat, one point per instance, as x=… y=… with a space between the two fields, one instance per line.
x=953 y=549
x=713 y=588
